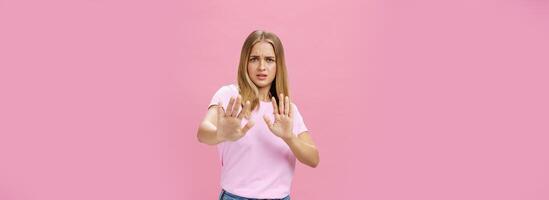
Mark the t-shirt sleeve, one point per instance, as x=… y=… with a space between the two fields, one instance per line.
x=299 y=124
x=222 y=95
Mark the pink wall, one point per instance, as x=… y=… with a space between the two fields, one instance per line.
x=405 y=99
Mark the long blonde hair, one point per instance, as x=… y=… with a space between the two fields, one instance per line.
x=248 y=90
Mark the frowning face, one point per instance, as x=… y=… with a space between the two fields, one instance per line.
x=262 y=64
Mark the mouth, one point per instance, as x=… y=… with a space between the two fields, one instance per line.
x=261 y=76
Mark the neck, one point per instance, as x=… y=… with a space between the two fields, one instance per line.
x=264 y=94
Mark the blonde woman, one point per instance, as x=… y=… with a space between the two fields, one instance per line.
x=258 y=131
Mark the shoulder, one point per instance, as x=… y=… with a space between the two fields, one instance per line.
x=230 y=89
x=223 y=94
x=293 y=104
x=294 y=107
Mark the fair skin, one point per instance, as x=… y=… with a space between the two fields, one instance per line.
x=220 y=126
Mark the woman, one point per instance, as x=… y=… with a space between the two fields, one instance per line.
x=258 y=159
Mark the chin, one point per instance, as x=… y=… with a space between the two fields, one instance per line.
x=262 y=84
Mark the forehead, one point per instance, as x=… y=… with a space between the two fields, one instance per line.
x=262 y=49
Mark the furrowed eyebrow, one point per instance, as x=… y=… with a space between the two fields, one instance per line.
x=255 y=56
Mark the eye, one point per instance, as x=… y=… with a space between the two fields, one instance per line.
x=270 y=60
x=253 y=59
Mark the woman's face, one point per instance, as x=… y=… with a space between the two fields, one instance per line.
x=262 y=64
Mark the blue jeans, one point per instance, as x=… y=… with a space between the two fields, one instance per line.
x=224 y=195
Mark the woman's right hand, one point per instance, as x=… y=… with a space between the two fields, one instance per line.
x=229 y=122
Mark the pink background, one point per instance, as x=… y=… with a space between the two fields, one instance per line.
x=405 y=99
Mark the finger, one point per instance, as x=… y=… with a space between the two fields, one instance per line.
x=268 y=121
x=287 y=106
x=245 y=110
x=275 y=107
x=229 y=107
x=237 y=106
x=248 y=126
x=248 y=113
x=281 y=104
x=291 y=112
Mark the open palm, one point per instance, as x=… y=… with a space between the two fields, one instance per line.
x=283 y=118
x=229 y=123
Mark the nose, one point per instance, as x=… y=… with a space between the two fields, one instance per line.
x=262 y=65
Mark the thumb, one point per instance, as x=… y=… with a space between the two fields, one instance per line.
x=220 y=111
x=248 y=125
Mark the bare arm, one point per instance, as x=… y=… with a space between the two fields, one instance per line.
x=207 y=131
x=304 y=149
x=302 y=145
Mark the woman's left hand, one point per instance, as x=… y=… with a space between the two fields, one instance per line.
x=283 y=123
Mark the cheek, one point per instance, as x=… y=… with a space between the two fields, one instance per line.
x=251 y=67
x=272 y=69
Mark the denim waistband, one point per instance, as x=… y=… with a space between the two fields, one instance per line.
x=224 y=195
